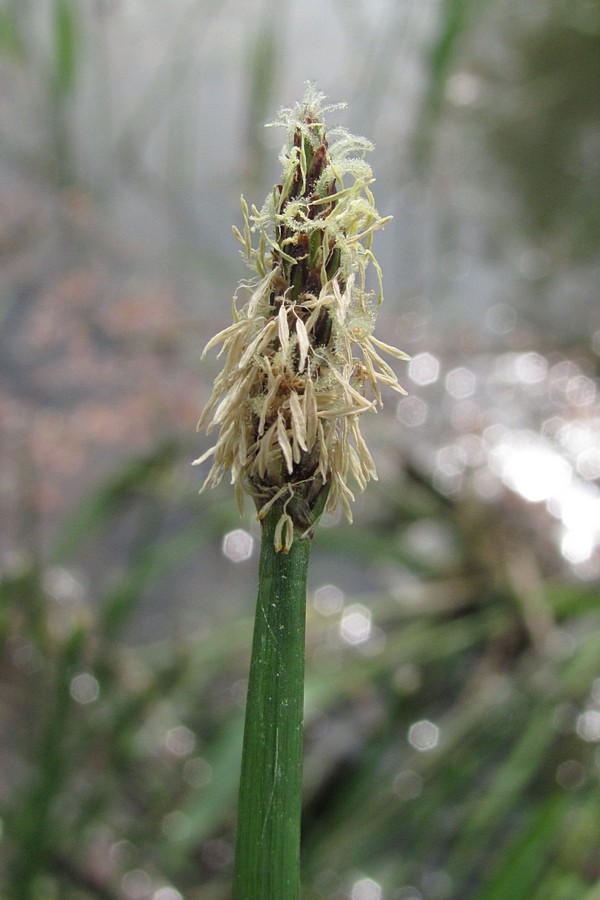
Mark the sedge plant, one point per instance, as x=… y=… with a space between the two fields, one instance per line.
x=302 y=367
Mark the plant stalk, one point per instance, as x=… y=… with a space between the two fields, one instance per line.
x=267 y=860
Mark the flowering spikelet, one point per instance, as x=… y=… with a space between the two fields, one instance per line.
x=289 y=399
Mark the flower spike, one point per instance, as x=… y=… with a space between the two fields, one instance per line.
x=292 y=390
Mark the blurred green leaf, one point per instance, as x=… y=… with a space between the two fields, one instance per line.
x=11 y=41
x=518 y=869
x=457 y=18
x=66 y=45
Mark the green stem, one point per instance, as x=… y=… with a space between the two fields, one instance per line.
x=267 y=863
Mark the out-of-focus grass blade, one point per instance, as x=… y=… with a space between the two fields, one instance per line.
x=457 y=17
x=367 y=787
x=575 y=846
x=153 y=555
x=416 y=643
x=509 y=781
x=65 y=45
x=208 y=808
x=261 y=76
x=524 y=762
x=34 y=816
x=109 y=499
x=569 y=601
x=11 y=41
x=519 y=868
x=397 y=833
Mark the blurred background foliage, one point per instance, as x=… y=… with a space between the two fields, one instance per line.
x=453 y=660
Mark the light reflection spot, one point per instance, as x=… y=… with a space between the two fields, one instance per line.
x=412 y=411
x=450 y=483
x=408 y=892
x=570 y=775
x=560 y=375
x=167 y=893
x=430 y=541
x=366 y=889
x=577 y=545
x=552 y=427
x=238 y=545
x=197 y=772
x=84 y=688
x=486 y=485
x=217 y=854
x=588 y=463
x=534 y=264
x=530 y=467
x=581 y=391
x=120 y=852
x=578 y=507
x=451 y=459
x=465 y=415
x=588 y=726
x=575 y=437
x=460 y=383
x=424 y=369
x=62 y=585
x=355 y=627
x=531 y=368
x=180 y=741
x=408 y=785
x=456 y=265
x=501 y=318
x=328 y=599
x=136 y=885
x=473 y=449
x=424 y=735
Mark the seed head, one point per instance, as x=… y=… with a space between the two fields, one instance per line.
x=290 y=396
